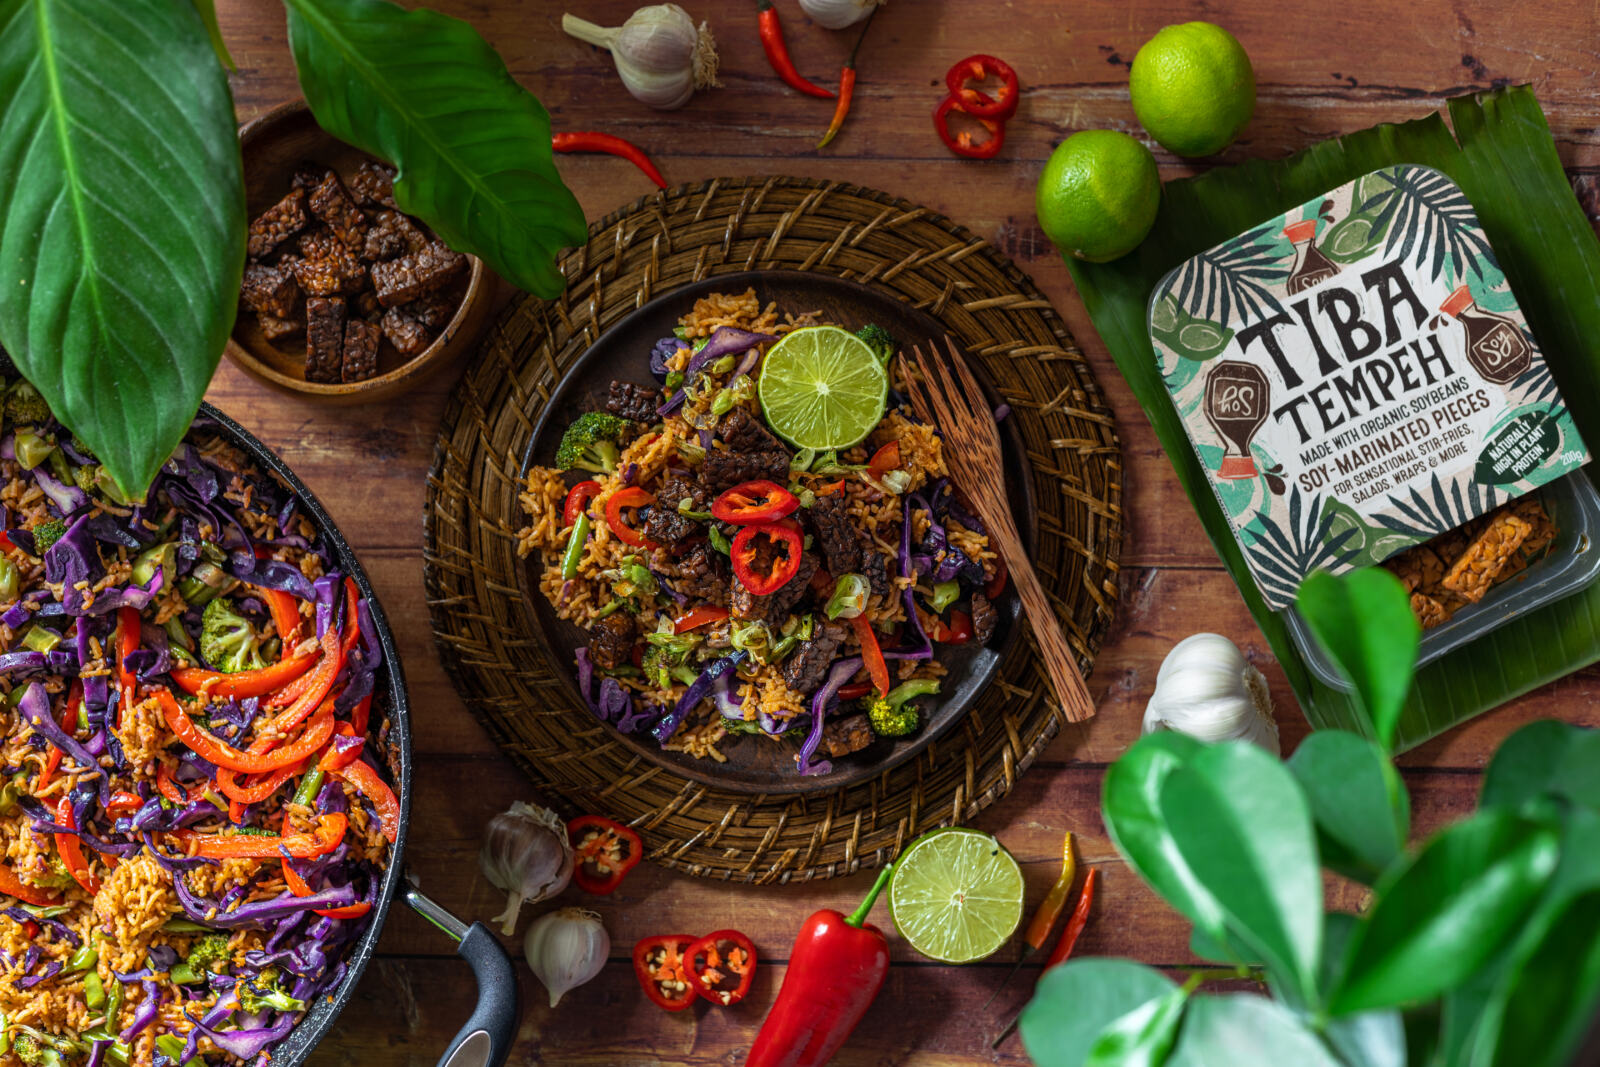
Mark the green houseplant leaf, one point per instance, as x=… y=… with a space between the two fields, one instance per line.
x=1242 y=1028
x=471 y=146
x=1243 y=828
x=1363 y=620
x=122 y=223
x=1078 y=999
x=1545 y=758
x=1144 y=1036
x=1442 y=917
x=1361 y=808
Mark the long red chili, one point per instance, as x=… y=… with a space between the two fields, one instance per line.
x=778 y=52
x=1075 y=925
x=593 y=141
x=847 y=85
x=836 y=968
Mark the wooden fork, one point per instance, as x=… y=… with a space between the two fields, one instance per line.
x=947 y=396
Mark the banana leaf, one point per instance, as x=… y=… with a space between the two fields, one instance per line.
x=1503 y=157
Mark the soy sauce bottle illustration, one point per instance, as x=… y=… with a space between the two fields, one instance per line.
x=1310 y=265
x=1236 y=404
x=1496 y=347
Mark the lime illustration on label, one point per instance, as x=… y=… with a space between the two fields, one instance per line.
x=1362 y=355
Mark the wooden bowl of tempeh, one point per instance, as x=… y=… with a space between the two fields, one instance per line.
x=345 y=298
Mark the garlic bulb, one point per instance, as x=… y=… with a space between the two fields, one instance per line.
x=1206 y=689
x=837 y=14
x=526 y=853
x=566 y=948
x=660 y=54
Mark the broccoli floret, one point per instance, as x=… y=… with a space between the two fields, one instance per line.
x=210 y=949
x=32 y=1051
x=57 y=877
x=590 y=443
x=264 y=994
x=890 y=720
x=46 y=534
x=227 y=640
x=878 y=339
x=25 y=405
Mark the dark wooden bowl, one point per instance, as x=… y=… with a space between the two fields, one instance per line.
x=274 y=144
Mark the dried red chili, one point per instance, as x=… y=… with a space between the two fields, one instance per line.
x=962 y=143
x=659 y=964
x=752 y=502
x=604 y=851
x=1001 y=105
x=761 y=578
x=723 y=965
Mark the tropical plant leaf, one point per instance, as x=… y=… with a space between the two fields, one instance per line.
x=1443 y=916
x=1363 y=620
x=1077 y=1000
x=1360 y=806
x=1254 y=851
x=1506 y=163
x=208 y=15
x=1244 y=1029
x=1143 y=1037
x=1544 y=758
x=122 y=223
x=1371 y=1039
x=471 y=146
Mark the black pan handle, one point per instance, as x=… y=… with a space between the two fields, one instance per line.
x=485 y=1040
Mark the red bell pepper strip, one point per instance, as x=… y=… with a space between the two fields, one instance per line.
x=957 y=632
x=997 y=584
x=334 y=760
x=723 y=965
x=319 y=842
x=71 y=850
x=698 y=617
x=631 y=497
x=127 y=641
x=962 y=143
x=605 y=851
x=359 y=715
x=777 y=50
x=13 y=886
x=170 y=789
x=1001 y=105
x=871 y=654
x=658 y=963
x=69 y=723
x=578 y=498
x=836 y=968
x=855 y=690
x=785 y=564
x=884 y=460
x=364 y=778
x=753 y=502
x=223 y=754
x=1075 y=925
x=123 y=803
x=252 y=792
x=319 y=682
x=847 y=85
x=285 y=617
x=299 y=888
x=241 y=684
x=594 y=141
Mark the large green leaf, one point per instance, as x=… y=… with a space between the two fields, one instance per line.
x=1363 y=620
x=1505 y=161
x=1244 y=1030
x=122 y=223
x=1243 y=828
x=1143 y=1037
x=471 y=146
x=1360 y=806
x=1447 y=913
x=1545 y=758
x=1075 y=1001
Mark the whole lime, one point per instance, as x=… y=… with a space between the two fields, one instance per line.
x=1098 y=195
x=1193 y=88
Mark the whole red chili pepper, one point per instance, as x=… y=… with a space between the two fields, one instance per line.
x=592 y=141
x=847 y=86
x=836 y=968
x=778 y=52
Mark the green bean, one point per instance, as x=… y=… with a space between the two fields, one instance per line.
x=83 y=958
x=94 y=991
x=574 y=553
x=309 y=785
x=10 y=585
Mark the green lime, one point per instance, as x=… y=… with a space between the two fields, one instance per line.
x=822 y=388
x=1192 y=88
x=1200 y=339
x=1098 y=195
x=956 y=895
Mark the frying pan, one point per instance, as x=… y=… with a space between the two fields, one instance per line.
x=485 y=1040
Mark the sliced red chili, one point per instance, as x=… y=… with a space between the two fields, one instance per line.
x=752 y=502
x=578 y=498
x=884 y=460
x=958 y=631
x=750 y=562
x=631 y=497
x=871 y=654
x=962 y=143
x=658 y=963
x=996 y=585
x=723 y=965
x=698 y=617
x=1001 y=103
x=604 y=850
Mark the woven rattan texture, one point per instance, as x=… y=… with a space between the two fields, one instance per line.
x=485 y=632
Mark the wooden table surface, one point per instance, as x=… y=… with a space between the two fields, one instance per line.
x=1322 y=69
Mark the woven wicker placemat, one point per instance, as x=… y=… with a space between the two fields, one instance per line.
x=484 y=630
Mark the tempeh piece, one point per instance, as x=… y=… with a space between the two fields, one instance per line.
x=400 y=281
x=274 y=328
x=373 y=185
x=360 y=358
x=434 y=310
x=391 y=234
x=1472 y=575
x=408 y=336
x=332 y=204
x=277 y=224
x=324 y=338
x=327 y=266
x=269 y=290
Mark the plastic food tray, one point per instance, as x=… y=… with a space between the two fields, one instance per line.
x=1571 y=564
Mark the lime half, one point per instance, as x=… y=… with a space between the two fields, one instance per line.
x=956 y=895
x=822 y=388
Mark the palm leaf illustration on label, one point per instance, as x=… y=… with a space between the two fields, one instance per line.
x=1495 y=345
x=1237 y=401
